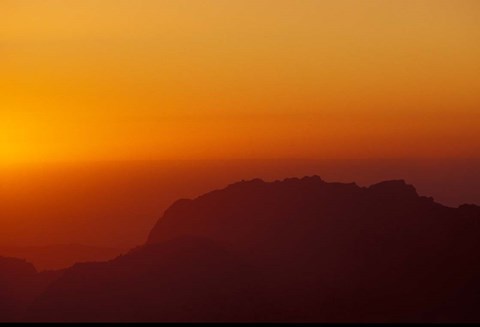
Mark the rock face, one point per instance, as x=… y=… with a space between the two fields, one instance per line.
x=294 y=250
x=339 y=252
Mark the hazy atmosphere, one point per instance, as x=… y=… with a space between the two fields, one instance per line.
x=239 y=160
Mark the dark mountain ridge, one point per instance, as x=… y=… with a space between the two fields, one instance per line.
x=292 y=250
x=20 y=284
x=185 y=280
x=60 y=256
x=340 y=240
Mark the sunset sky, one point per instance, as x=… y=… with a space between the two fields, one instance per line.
x=88 y=80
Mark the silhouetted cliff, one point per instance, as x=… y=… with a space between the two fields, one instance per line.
x=340 y=252
x=292 y=250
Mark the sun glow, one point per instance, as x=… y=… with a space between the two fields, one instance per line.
x=104 y=80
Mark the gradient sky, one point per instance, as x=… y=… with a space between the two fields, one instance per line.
x=84 y=80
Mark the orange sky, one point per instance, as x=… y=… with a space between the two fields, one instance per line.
x=84 y=80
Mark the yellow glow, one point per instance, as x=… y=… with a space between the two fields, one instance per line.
x=152 y=79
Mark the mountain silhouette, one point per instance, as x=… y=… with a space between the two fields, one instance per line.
x=184 y=280
x=20 y=283
x=59 y=256
x=339 y=252
x=297 y=250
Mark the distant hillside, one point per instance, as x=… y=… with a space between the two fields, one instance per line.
x=55 y=257
x=298 y=250
x=20 y=284
x=187 y=280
